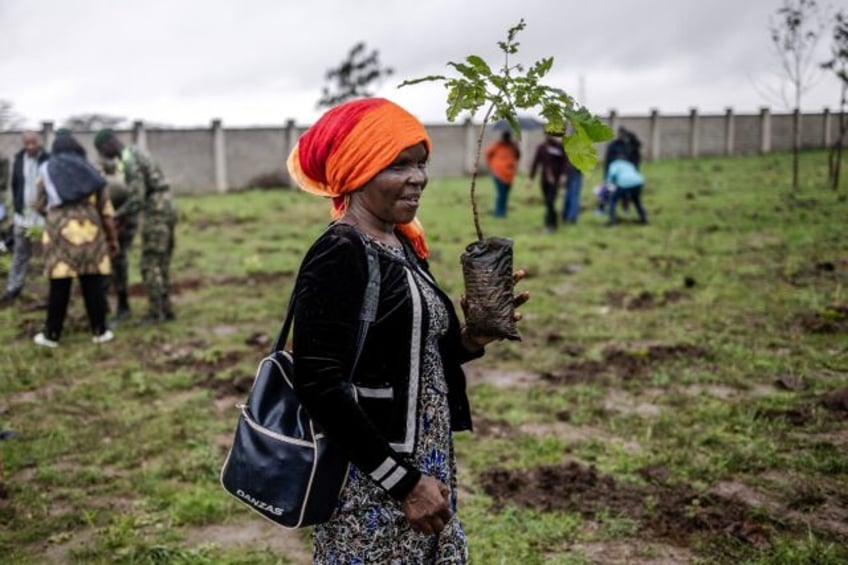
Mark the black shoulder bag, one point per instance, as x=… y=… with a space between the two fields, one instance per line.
x=280 y=464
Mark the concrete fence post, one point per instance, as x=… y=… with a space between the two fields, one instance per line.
x=729 y=131
x=613 y=119
x=796 y=128
x=765 y=130
x=694 y=132
x=655 y=134
x=288 y=143
x=470 y=145
x=219 y=155
x=47 y=134
x=139 y=135
x=826 y=139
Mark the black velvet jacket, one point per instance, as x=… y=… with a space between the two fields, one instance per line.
x=375 y=421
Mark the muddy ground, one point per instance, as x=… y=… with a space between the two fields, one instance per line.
x=669 y=517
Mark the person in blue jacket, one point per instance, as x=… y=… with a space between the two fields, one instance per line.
x=628 y=183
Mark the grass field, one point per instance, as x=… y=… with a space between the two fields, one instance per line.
x=680 y=394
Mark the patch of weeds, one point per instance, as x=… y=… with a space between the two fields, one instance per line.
x=481 y=453
x=31 y=450
x=661 y=379
x=820 y=457
x=199 y=461
x=515 y=535
x=530 y=405
x=198 y=505
x=145 y=553
x=591 y=450
x=617 y=527
x=809 y=550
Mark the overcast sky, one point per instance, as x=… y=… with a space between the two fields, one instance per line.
x=261 y=62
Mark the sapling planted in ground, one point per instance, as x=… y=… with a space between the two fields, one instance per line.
x=487 y=262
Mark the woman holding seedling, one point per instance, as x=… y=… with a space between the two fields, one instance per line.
x=396 y=419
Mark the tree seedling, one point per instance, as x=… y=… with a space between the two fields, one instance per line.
x=487 y=263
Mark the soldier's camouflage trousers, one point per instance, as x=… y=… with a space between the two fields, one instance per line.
x=157 y=246
x=120 y=263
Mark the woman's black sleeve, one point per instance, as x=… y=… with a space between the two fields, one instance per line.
x=330 y=291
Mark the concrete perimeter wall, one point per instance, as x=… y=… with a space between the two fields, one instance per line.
x=218 y=159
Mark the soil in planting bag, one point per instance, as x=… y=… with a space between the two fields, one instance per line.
x=487 y=269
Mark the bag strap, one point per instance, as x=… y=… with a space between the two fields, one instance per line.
x=366 y=316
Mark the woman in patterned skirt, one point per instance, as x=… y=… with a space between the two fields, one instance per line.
x=78 y=238
x=407 y=397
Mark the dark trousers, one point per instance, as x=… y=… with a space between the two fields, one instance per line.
x=549 y=193
x=635 y=196
x=57 y=304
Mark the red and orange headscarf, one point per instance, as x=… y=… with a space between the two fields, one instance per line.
x=349 y=145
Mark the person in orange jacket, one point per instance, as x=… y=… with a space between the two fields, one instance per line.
x=502 y=158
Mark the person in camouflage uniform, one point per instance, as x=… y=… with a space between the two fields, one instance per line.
x=149 y=195
x=113 y=171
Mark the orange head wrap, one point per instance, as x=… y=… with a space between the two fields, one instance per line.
x=349 y=145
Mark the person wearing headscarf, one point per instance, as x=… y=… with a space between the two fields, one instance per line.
x=369 y=156
x=78 y=237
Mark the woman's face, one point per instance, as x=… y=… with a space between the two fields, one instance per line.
x=392 y=196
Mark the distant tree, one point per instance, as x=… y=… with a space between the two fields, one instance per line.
x=92 y=122
x=839 y=65
x=353 y=76
x=9 y=118
x=795 y=34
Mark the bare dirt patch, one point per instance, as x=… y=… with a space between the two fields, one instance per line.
x=802 y=505
x=820 y=270
x=255 y=534
x=633 y=552
x=835 y=404
x=624 y=362
x=60 y=548
x=671 y=512
x=833 y=319
x=229 y=389
x=645 y=299
x=498 y=429
x=190 y=284
x=562 y=429
x=622 y=402
x=195 y=356
x=222 y=221
x=502 y=378
x=836 y=401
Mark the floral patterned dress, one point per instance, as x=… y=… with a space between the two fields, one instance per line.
x=369 y=526
x=74 y=240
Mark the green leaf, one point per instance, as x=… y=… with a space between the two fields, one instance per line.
x=467 y=71
x=595 y=129
x=428 y=78
x=464 y=95
x=541 y=67
x=580 y=150
x=479 y=64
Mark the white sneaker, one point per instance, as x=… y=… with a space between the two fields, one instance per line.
x=41 y=339
x=104 y=337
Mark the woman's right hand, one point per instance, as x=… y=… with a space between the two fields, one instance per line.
x=426 y=506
